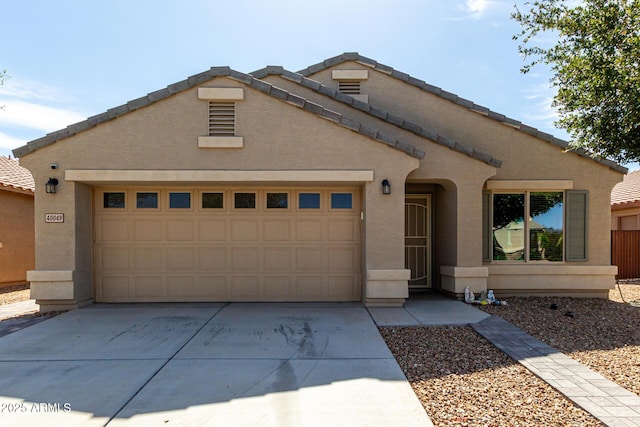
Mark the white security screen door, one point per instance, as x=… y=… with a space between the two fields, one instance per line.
x=417 y=232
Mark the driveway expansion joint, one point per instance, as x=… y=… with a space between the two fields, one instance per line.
x=172 y=357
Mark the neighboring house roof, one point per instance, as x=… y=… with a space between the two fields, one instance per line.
x=14 y=177
x=198 y=79
x=626 y=194
x=377 y=112
x=354 y=56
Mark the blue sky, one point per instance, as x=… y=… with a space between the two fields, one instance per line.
x=71 y=59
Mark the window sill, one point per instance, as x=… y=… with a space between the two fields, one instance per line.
x=220 y=142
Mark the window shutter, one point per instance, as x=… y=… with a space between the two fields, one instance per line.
x=576 y=225
x=486 y=224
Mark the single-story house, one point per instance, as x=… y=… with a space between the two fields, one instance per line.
x=625 y=203
x=345 y=181
x=17 y=234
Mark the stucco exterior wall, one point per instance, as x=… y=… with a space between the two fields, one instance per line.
x=16 y=236
x=163 y=136
x=524 y=158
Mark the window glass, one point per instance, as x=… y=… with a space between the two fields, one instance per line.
x=341 y=201
x=179 y=200
x=244 y=200
x=147 y=200
x=546 y=226
x=212 y=200
x=113 y=200
x=277 y=200
x=508 y=227
x=309 y=200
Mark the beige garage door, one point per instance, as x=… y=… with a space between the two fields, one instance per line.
x=227 y=244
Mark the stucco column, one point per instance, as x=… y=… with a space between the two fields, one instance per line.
x=468 y=269
x=386 y=279
x=57 y=283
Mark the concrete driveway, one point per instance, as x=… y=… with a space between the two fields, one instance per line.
x=205 y=364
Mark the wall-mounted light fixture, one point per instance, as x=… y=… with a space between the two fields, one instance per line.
x=386 y=187
x=51 y=185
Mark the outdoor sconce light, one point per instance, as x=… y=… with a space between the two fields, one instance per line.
x=386 y=187
x=51 y=185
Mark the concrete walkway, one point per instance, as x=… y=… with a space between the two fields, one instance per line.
x=205 y=364
x=604 y=399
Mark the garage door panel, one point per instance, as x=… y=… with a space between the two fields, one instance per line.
x=147 y=230
x=214 y=288
x=181 y=258
x=342 y=230
x=212 y=258
x=343 y=258
x=311 y=287
x=180 y=230
x=276 y=230
x=220 y=253
x=245 y=287
x=113 y=258
x=310 y=258
x=341 y=286
x=212 y=230
x=245 y=230
x=181 y=287
x=245 y=258
x=115 y=288
x=310 y=230
x=277 y=258
x=113 y=230
x=148 y=258
x=278 y=287
x=148 y=287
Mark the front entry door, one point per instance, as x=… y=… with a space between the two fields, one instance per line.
x=417 y=240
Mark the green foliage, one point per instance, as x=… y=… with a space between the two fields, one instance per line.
x=596 y=70
x=508 y=208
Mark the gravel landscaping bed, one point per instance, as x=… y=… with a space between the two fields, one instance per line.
x=15 y=293
x=462 y=380
x=602 y=334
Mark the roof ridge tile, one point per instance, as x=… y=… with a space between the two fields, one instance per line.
x=354 y=56
x=379 y=113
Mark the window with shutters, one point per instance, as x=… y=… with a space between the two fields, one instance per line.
x=527 y=226
x=222 y=118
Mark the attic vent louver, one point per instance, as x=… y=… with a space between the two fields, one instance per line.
x=222 y=118
x=350 y=87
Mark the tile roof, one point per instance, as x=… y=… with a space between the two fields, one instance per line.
x=376 y=112
x=14 y=177
x=195 y=80
x=626 y=193
x=354 y=56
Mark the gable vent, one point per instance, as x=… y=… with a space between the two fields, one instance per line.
x=222 y=119
x=349 y=87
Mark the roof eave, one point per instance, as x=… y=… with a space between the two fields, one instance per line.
x=378 y=113
x=198 y=79
x=354 y=56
